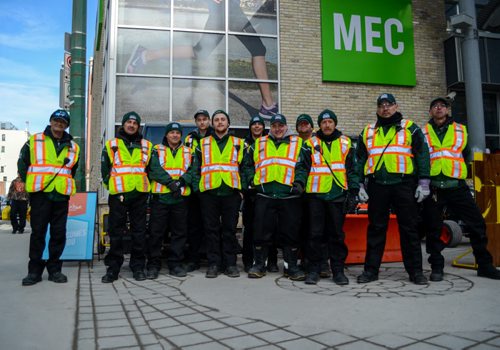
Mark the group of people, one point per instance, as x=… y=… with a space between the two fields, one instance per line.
x=296 y=190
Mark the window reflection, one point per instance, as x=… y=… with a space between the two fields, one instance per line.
x=143 y=51
x=244 y=63
x=190 y=95
x=144 y=12
x=245 y=100
x=147 y=96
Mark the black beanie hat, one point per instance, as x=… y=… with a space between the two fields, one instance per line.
x=256 y=119
x=223 y=112
x=327 y=114
x=61 y=114
x=304 y=118
x=173 y=126
x=131 y=115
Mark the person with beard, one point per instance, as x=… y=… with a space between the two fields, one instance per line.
x=196 y=233
x=124 y=170
x=170 y=175
x=274 y=167
x=217 y=177
x=395 y=160
x=447 y=141
x=47 y=165
x=332 y=182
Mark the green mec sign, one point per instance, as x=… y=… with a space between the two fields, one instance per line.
x=367 y=41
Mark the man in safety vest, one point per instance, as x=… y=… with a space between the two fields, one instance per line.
x=332 y=178
x=447 y=141
x=170 y=175
x=196 y=234
x=274 y=166
x=218 y=158
x=47 y=164
x=124 y=167
x=395 y=160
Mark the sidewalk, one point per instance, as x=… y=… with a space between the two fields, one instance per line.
x=223 y=313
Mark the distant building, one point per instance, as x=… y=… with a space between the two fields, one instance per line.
x=11 y=141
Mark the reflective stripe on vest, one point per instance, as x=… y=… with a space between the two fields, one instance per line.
x=174 y=166
x=217 y=166
x=397 y=157
x=320 y=179
x=446 y=156
x=273 y=164
x=128 y=171
x=49 y=171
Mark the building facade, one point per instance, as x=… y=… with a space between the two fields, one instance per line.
x=166 y=59
x=11 y=141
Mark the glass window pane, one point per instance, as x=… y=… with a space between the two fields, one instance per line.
x=245 y=100
x=143 y=51
x=147 y=96
x=191 y=95
x=144 y=12
x=493 y=144
x=194 y=14
x=265 y=57
x=490 y=114
x=258 y=16
x=493 y=59
x=202 y=55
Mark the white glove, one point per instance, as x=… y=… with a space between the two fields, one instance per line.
x=362 y=195
x=423 y=191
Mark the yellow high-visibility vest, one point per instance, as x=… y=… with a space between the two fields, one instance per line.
x=276 y=164
x=320 y=179
x=217 y=166
x=446 y=156
x=128 y=171
x=191 y=142
x=397 y=157
x=48 y=171
x=175 y=166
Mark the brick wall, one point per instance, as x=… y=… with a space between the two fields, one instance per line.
x=302 y=89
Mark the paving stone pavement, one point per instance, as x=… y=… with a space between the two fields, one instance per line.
x=160 y=314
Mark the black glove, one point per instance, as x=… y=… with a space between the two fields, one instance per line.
x=297 y=188
x=174 y=186
x=351 y=202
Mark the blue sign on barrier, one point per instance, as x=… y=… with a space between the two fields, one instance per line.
x=79 y=228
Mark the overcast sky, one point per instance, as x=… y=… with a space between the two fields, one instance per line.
x=31 y=54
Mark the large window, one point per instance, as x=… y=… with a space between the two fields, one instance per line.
x=177 y=56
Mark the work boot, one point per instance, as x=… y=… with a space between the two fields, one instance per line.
x=58 y=277
x=178 y=271
x=488 y=271
x=339 y=277
x=212 y=271
x=232 y=271
x=312 y=278
x=139 y=275
x=31 y=279
x=367 y=277
x=436 y=274
x=418 y=278
x=258 y=270
x=292 y=271
x=152 y=273
x=109 y=277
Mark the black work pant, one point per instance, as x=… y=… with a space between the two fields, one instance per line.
x=173 y=217
x=277 y=215
x=327 y=220
x=196 y=233
x=43 y=213
x=459 y=200
x=135 y=208
x=18 y=211
x=399 y=197
x=220 y=217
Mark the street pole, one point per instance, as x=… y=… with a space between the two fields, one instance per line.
x=77 y=84
x=472 y=79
